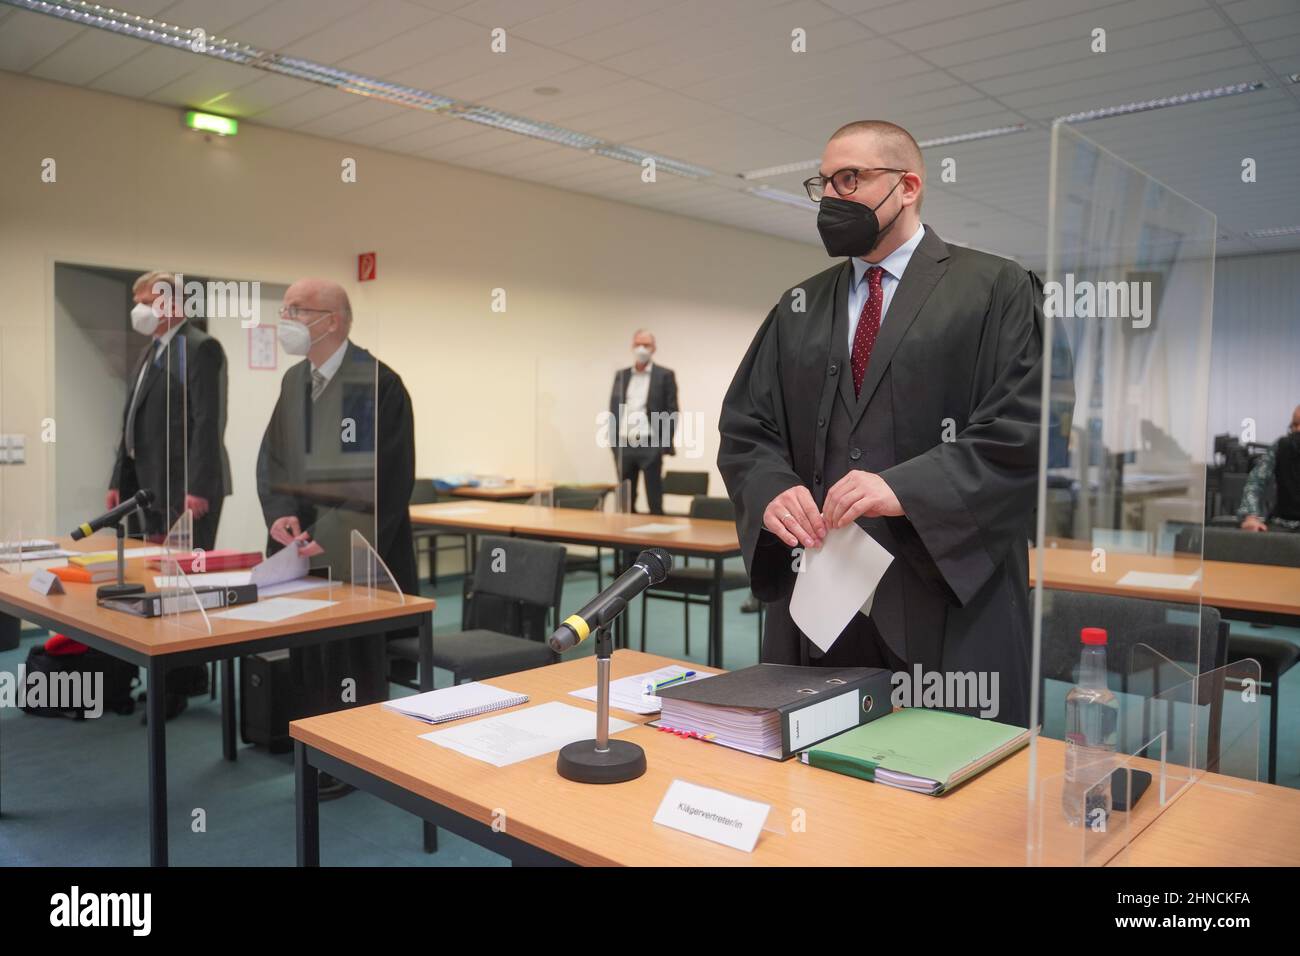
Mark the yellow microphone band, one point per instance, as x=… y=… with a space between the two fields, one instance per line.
x=579 y=626
x=86 y=530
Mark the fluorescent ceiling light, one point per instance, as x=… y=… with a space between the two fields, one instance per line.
x=781 y=196
x=1162 y=102
x=1276 y=232
x=767 y=172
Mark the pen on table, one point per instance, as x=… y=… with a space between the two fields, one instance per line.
x=651 y=686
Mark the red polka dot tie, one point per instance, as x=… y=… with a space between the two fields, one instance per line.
x=864 y=337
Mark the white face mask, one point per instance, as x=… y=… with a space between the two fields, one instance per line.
x=295 y=337
x=143 y=319
x=641 y=353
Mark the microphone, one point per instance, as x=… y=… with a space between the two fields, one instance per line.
x=651 y=567
x=141 y=499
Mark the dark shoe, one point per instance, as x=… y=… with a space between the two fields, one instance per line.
x=750 y=606
x=331 y=788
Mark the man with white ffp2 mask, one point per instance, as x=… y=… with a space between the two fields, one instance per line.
x=643 y=406
x=174 y=421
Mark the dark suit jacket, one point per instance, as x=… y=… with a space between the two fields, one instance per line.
x=344 y=462
x=191 y=412
x=661 y=398
x=961 y=341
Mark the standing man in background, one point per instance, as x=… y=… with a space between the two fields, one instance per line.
x=898 y=390
x=173 y=434
x=643 y=403
x=338 y=455
x=174 y=423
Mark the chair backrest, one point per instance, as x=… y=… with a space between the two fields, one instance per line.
x=423 y=492
x=686 y=483
x=1128 y=621
x=720 y=509
x=1231 y=485
x=1244 y=547
x=517 y=586
x=563 y=496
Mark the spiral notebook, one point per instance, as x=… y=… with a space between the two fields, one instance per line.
x=453 y=703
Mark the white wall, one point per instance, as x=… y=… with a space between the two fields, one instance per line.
x=514 y=393
x=1255 y=364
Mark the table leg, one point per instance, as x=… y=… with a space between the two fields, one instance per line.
x=715 y=616
x=306 y=807
x=228 y=709
x=425 y=643
x=156 y=714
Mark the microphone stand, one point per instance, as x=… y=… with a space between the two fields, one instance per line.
x=121 y=588
x=602 y=760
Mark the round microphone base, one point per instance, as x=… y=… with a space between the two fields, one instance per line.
x=580 y=762
x=118 y=590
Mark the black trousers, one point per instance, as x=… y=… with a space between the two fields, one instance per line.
x=859 y=645
x=634 y=462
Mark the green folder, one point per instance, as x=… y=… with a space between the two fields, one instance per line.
x=927 y=751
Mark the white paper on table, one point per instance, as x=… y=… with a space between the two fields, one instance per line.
x=626 y=693
x=520 y=734
x=1165 y=582
x=838 y=580
x=285 y=565
x=308 y=583
x=276 y=609
x=657 y=528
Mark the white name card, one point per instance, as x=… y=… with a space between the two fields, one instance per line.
x=713 y=814
x=45 y=582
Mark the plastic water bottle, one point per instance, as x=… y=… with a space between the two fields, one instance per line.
x=1091 y=735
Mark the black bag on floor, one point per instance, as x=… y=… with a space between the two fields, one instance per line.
x=119 y=679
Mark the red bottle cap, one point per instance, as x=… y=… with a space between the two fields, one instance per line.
x=1093 y=635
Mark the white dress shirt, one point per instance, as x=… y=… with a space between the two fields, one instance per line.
x=894 y=265
x=330 y=366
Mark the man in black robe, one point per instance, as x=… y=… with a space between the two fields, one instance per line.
x=337 y=456
x=899 y=389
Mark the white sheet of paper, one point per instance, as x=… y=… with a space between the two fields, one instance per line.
x=838 y=580
x=520 y=734
x=285 y=565
x=276 y=609
x=626 y=692
x=657 y=528
x=1152 y=579
x=309 y=583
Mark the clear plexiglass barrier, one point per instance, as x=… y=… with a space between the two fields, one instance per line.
x=1129 y=667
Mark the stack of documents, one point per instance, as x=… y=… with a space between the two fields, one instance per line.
x=629 y=693
x=453 y=703
x=925 y=751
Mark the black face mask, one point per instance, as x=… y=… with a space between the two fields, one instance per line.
x=851 y=229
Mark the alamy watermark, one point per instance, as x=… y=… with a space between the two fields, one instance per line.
x=68 y=690
x=1085 y=299
x=213 y=299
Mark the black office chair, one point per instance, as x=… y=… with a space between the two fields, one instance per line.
x=514 y=607
x=1129 y=622
x=1276 y=655
x=582 y=499
x=692 y=585
x=426 y=540
x=690 y=483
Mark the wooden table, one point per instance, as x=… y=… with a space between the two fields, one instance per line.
x=160 y=644
x=698 y=537
x=531 y=815
x=1262 y=593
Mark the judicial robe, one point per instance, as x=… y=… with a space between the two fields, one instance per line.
x=948 y=416
x=343 y=462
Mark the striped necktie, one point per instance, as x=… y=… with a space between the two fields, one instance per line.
x=318 y=383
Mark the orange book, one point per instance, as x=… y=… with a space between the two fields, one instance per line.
x=77 y=575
